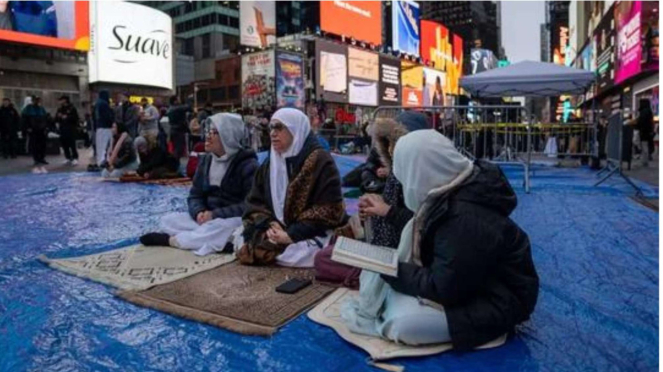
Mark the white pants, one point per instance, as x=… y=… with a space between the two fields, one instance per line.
x=119 y=172
x=102 y=142
x=211 y=236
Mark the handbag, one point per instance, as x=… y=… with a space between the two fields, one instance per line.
x=257 y=249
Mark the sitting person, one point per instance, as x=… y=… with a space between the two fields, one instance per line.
x=155 y=163
x=466 y=274
x=386 y=214
x=216 y=200
x=296 y=197
x=122 y=158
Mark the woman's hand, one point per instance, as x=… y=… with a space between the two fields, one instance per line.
x=203 y=217
x=383 y=172
x=373 y=205
x=277 y=235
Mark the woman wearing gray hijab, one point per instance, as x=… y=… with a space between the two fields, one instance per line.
x=216 y=201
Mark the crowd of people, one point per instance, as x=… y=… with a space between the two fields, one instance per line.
x=466 y=273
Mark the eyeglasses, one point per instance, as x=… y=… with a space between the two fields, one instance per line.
x=277 y=127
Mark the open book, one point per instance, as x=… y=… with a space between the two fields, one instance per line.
x=366 y=256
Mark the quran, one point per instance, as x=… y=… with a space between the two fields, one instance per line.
x=351 y=252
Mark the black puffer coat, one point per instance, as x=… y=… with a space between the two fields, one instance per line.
x=477 y=262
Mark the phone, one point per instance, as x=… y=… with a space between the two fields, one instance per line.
x=293 y=286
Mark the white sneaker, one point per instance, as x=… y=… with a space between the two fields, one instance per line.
x=43 y=170
x=36 y=170
x=66 y=162
x=75 y=162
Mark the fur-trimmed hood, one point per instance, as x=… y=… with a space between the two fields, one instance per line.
x=386 y=131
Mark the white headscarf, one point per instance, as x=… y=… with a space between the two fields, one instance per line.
x=298 y=125
x=26 y=102
x=231 y=133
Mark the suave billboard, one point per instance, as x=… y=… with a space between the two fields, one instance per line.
x=57 y=24
x=127 y=50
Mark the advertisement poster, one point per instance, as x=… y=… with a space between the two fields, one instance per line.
x=331 y=71
x=290 y=80
x=482 y=60
x=363 y=93
x=361 y=20
x=116 y=57
x=390 y=81
x=412 y=77
x=258 y=79
x=433 y=94
x=604 y=51
x=445 y=50
x=363 y=65
x=405 y=26
x=636 y=41
x=649 y=32
x=56 y=24
x=257 y=23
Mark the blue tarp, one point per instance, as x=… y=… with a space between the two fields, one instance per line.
x=596 y=252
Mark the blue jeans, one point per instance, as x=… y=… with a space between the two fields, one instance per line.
x=407 y=321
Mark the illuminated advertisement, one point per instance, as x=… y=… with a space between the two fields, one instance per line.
x=561 y=45
x=359 y=19
x=257 y=23
x=433 y=93
x=482 y=60
x=258 y=79
x=604 y=51
x=331 y=71
x=363 y=65
x=636 y=41
x=412 y=77
x=445 y=51
x=127 y=50
x=405 y=26
x=57 y=24
x=289 y=80
x=390 y=81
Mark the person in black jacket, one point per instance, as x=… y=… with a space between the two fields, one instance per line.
x=466 y=273
x=216 y=201
x=10 y=123
x=35 y=122
x=122 y=158
x=155 y=162
x=177 y=119
x=103 y=117
x=67 y=120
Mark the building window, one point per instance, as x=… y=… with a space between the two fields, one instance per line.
x=188 y=47
x=223 y=20
x=207 y=46
x=234 y=22
x=218 y=94
x=206 y=20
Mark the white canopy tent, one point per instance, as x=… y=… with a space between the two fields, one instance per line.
x=530 y=79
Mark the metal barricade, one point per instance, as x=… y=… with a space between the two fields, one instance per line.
x=498 y=133
x=563 y=140
x=615 y=152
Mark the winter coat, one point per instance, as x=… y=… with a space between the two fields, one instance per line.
x=103 y=114
x=127 y=153
x=314 y=202
x=386 y=132
x=128 y=114
x=68 y=119
x=476 y=262
x=35 y=119
x=157 y=158
x=177 y=118
x=225 y=200
x=10 y=121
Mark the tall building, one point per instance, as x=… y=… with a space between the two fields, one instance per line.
x=558 y=16
x=294 y=17
x=545 y=43
x=475 y=21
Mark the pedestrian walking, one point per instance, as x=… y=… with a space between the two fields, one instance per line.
x=67 y=120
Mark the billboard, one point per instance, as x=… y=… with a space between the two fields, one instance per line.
x=405 y=26
x=359 y=19
x=602 y=42
x=56 y=24
x=482 y=60
x=445 y=51
x=258 y=79
x=331 y=71
x=433 y=93
x=127 y=50
x=290 y=80
x=636 y=40
x=390 y=81
x=257 y=23
x=412 y=76
x=363 y=73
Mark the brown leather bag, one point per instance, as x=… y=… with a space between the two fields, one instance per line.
x=257 y=249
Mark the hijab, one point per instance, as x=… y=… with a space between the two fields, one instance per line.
x=299 y=127
x=140 y=143
x=231 y=133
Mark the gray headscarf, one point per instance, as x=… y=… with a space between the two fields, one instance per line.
x=140 y=143
x=231 y=133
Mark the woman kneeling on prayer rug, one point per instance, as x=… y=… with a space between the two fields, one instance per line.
x=296 y=198
x=466 y=274
x=216 y=201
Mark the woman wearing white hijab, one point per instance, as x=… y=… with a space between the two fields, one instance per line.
x=466 y=274
x=296 y=197
x=216 y=201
